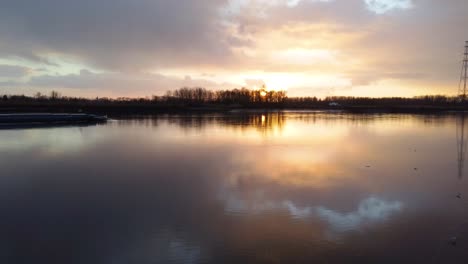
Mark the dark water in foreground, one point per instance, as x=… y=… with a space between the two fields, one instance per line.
x=240 y=188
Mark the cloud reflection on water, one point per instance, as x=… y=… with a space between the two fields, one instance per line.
x=219 y=189
x=371 y=210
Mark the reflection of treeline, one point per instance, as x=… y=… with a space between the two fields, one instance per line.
x=264 y=122
x=200 y=98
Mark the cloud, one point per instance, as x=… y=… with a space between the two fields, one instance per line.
x=13 y=71
x=254 y=83
x=384 y=6
x=238 y=6
x=121 y=84
x=370 y=76
x=416 y=42
x=114 y=34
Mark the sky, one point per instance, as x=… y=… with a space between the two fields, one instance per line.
x=136 y=48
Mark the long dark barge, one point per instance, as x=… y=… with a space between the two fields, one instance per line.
x=47 y=118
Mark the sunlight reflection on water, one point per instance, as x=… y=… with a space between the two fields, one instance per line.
x=294 y=187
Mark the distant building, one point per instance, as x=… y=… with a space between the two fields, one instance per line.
x=333 y=104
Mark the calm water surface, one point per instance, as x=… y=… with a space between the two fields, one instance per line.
x=238 y=188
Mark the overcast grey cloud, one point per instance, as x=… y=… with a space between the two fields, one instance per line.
x=417 y=43
x=13 y=71
x=115 y=34
x=120 y=83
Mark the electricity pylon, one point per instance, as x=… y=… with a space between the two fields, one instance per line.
x=464 y=75
x=462 y=93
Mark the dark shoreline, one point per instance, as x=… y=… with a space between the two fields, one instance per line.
x=200 y=100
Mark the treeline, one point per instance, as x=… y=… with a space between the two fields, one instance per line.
x=236 y=96
x=183 y=97
x=350 y=101
x=200 y=98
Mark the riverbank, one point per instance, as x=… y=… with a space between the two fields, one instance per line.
x=120 y=109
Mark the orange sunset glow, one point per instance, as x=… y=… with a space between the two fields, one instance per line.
x=306 y=47
x=233 y=131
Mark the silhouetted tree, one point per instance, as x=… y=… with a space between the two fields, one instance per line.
x=54 y=95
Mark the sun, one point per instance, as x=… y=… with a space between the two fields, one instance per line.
x=263 y=93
